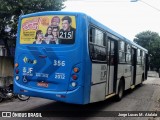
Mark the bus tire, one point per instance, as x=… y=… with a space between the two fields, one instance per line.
x=1 y=99
x=120 y=91
x=142 y=77
x=23 y=97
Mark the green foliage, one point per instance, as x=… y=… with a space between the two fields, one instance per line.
x=150 y=41
x=10 y=10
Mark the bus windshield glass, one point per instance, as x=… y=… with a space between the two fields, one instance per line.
x=51 y=29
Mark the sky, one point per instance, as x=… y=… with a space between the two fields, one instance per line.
x=124 y=17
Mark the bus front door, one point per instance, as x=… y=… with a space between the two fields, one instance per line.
x=112 y=66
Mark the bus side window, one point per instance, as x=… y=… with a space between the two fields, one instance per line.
x=112 y=59
x=143 y=57
x=96 y=45
x=139 y=57
x=121 y=52
x=92 y=34
x=128 y=53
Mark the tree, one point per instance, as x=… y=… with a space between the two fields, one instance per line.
x=150 y=41
x=10 y=10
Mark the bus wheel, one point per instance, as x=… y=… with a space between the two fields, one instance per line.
x=23 y=97
x=1 y=99
x=120 y=91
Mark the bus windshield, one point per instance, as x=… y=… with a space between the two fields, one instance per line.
x=51 y=29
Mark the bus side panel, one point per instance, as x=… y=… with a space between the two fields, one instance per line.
x=127 y=75
x=139 y=73
x=84 y=93
x=124 y=70
x=86 y=63
x=120 y=73
x=87 y=85
x=84 y=23
x=97 y=92
x=99 y=77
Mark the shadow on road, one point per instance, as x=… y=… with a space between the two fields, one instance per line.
x=59 y=109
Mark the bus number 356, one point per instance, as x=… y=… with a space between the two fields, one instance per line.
x=59 y=63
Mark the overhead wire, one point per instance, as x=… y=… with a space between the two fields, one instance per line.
x=150 y=5
x=118 y=1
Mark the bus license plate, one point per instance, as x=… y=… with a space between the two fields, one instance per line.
x=42 y=84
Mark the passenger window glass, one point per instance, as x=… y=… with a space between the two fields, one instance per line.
x=121 y=46
x=99 y=37
x=96 y=46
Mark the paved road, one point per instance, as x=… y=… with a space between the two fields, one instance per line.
x=142 y=98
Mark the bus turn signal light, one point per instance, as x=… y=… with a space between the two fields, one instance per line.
x=16 y=65
x=76 y=70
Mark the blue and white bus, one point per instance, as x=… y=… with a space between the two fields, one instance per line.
x=70 y=57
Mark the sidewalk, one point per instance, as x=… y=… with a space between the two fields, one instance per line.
x=153 y=78
x=153 y=74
